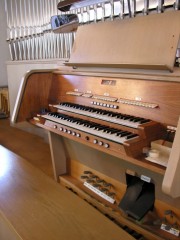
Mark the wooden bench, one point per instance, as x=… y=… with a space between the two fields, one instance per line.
x=34 y=207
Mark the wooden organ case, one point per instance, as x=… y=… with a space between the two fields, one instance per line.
x=102 y=121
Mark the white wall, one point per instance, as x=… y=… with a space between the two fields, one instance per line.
x=4 y=50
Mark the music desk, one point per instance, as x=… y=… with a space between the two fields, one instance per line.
x=34 y=207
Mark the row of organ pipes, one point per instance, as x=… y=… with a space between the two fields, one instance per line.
x=29 y=32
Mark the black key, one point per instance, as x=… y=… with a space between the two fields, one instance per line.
x=99 y=128
x=120 y=132
x=131 y=135
x=113 y=130
x=144 y=121
x=124 y=134
x=137 y=119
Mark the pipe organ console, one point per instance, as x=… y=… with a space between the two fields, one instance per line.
x=116 y=117
x=109 y=132
x=100 y=122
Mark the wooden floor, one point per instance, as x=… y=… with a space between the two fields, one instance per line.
x=29 y=146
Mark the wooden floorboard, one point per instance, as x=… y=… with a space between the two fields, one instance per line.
x=29 y=146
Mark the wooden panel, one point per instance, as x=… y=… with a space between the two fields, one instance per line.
x=164 y=94
x=44 y=88
x=147 y=42
x=38 y=208
x=35 y=95
x=58 y=155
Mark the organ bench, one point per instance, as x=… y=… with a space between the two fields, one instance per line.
x=33 y=206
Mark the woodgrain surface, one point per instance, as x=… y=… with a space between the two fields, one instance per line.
x=35 y=95
x=164 y=94
x=45 y=88
x=29 y=146
x=38 y=208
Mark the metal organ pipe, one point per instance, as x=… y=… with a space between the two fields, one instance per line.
x=146 y=7
x=177 y=4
